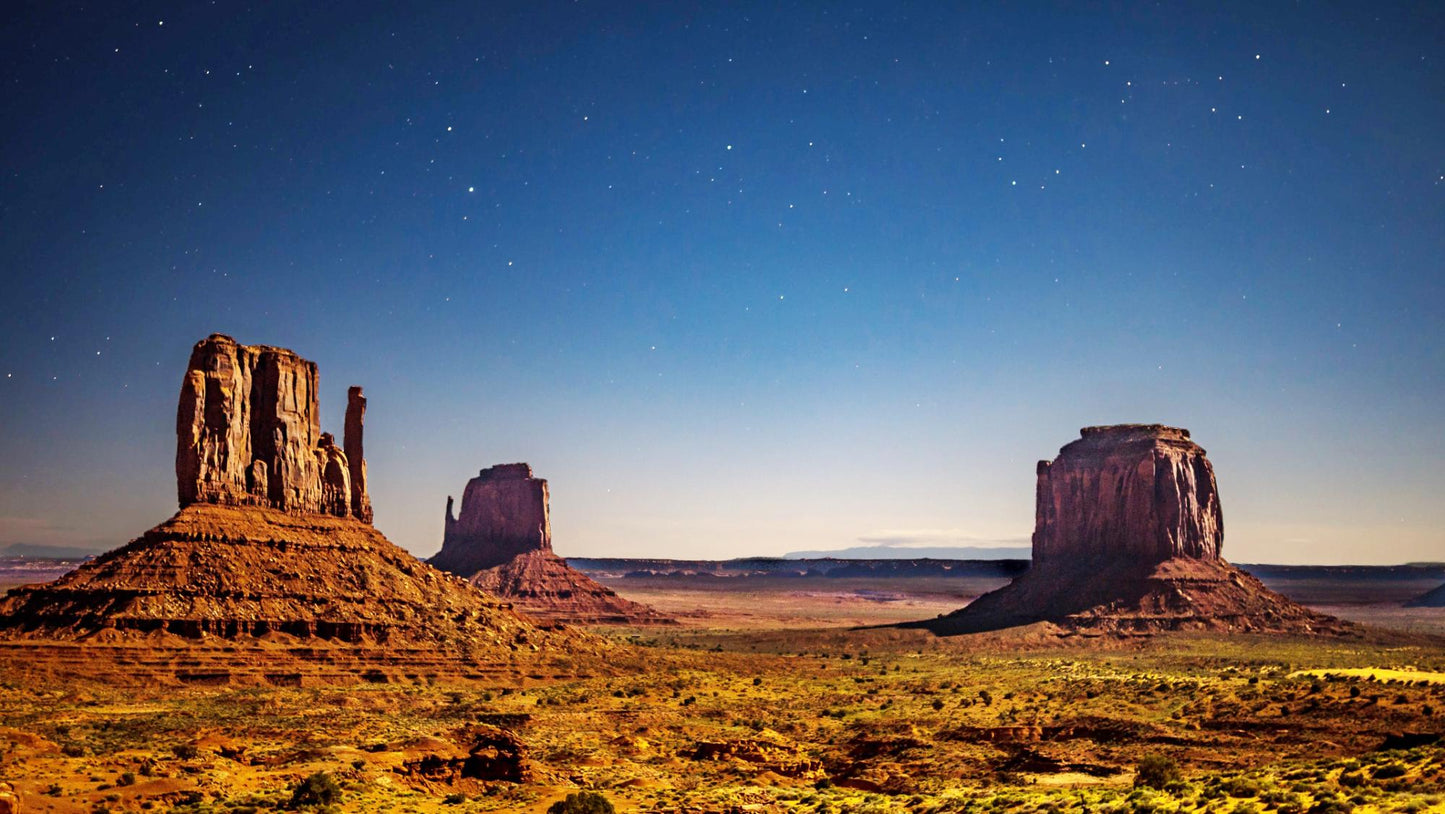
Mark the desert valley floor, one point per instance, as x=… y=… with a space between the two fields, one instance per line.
x=766 y=697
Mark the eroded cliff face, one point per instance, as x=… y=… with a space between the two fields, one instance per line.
x=1141 y=493
x=1127 y=538
x=504 y=514
x=248 y=432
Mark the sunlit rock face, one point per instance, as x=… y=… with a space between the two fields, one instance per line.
x=248 y=433
x=1138 y=492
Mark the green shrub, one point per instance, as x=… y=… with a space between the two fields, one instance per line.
x=1156 y=771
x=319 y=789
x=1242 y=787
x=582 y=802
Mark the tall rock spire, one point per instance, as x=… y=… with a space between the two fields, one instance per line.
x=356 y=454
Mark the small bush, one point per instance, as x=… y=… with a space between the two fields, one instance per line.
x=319 y=789
x=582 y=802
x=1156 y=771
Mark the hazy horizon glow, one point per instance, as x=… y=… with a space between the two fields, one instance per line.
x=745 y=280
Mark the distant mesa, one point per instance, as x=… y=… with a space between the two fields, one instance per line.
x=502 y=543
x=273 y=541
x=1430 y=599
x=1128 y=532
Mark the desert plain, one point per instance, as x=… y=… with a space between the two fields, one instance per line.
x=766 y=696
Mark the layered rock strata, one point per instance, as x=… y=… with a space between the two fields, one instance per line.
x=1128 y=534
x=502 y=543
x=249 y=571
x=248 y=433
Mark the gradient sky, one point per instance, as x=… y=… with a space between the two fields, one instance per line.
x=738 y=280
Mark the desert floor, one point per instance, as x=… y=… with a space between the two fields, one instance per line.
x=765 y=699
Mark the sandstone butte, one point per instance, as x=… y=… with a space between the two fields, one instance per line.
x=1128 y=534
x=502 y=543
x=272 y=559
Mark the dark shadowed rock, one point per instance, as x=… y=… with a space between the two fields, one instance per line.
x=1430 y=599
x=1128 y=533
x=502 y=542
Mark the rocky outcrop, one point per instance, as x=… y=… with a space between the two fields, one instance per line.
x=504 y=514
x=356 y=453
x=271 y=546
x=1142 y=492
x=1430 y=599
x=248 y=433
x=1127 y=537
x=502 y=543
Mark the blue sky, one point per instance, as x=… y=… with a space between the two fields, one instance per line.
x=739 y=280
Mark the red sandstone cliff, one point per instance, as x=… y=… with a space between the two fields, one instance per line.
x=502 y=543
x=1141 y=491
x=504 y=513
x=248 y=433
x=1127 y=537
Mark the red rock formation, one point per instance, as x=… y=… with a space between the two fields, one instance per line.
x=356 y=453
x=1128 y=533
x=503 y=543
x=270 y=546
x=504 y=513
x=1142 y=491
x=245 y=571
x=248 y=432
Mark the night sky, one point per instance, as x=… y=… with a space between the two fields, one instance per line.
x=738 y=280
